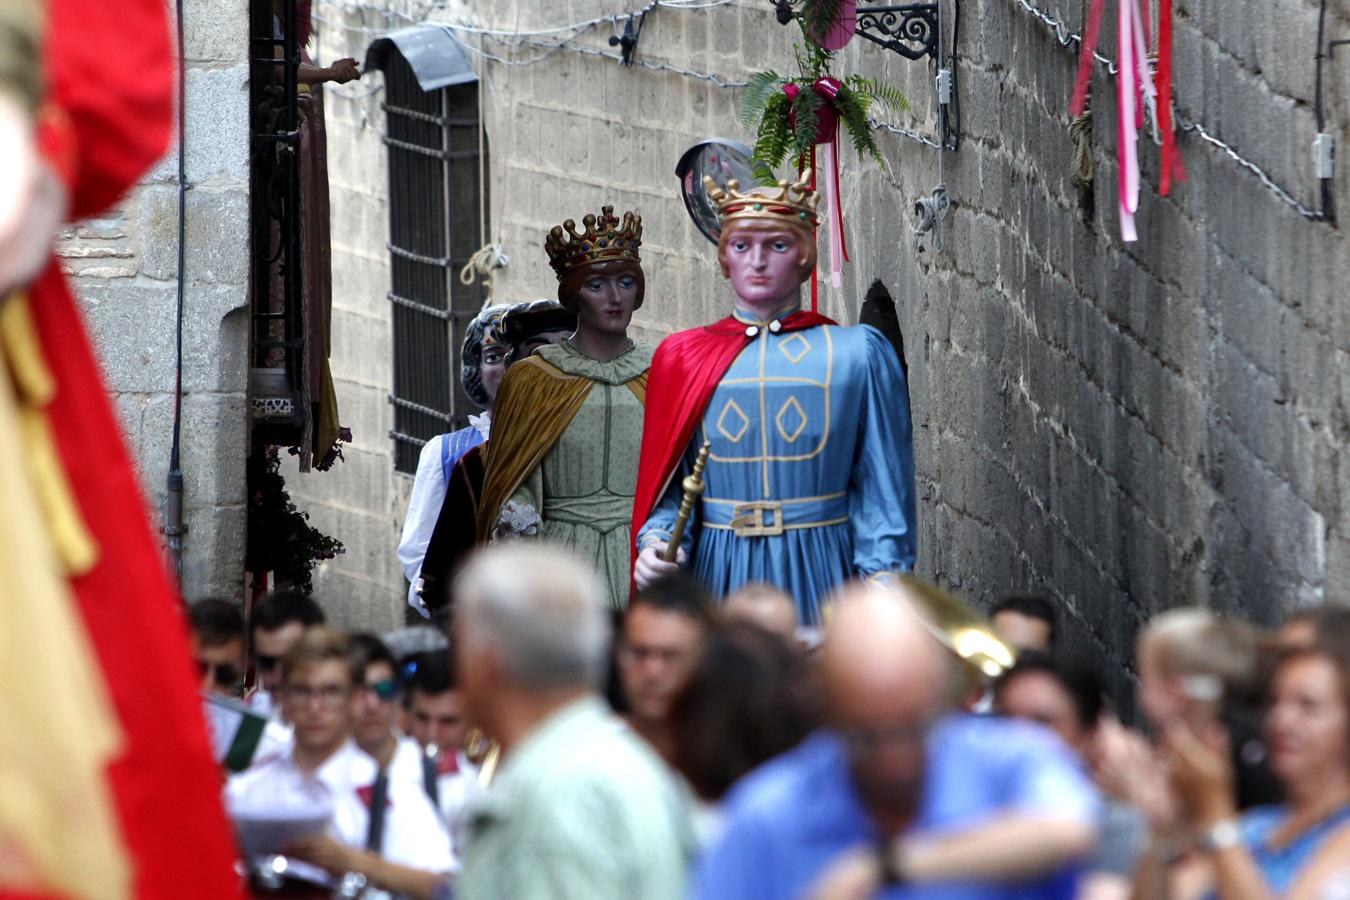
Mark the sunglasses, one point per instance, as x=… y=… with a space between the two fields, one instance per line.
x=221 y=675
x=265 y=663
x=386 y=689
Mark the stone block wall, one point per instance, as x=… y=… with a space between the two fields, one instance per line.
x=1125 y=427
x=124 y=266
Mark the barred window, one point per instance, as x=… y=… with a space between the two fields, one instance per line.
x=435 y=226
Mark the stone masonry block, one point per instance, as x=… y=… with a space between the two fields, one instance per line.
x=217 y=125
x=215 y=31
x=217 y=234
x=213 y=553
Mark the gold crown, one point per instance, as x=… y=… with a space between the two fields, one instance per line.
x=792 y=204
x=606 y=238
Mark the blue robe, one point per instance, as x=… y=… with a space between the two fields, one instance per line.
x=810 y=478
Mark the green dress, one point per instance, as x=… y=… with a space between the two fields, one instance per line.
x=581 y=495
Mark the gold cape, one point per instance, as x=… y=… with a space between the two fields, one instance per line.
x=535 y=405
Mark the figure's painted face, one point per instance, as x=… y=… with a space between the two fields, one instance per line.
x=492 y=369
x=606 y=302
x=764 y=266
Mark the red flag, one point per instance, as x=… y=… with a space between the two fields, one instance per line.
x=108 y=117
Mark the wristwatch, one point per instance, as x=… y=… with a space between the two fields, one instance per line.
x=1222 y=835
x=890 y=858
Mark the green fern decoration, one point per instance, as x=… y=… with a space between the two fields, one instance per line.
x=882 y=94
x=853 y=107
x=762 y=88
x=772 y=138
x=787 y=128
x=806 y=115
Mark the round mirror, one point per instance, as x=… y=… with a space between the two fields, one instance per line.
x=723 y=160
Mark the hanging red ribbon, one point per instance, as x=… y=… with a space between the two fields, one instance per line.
x=815 y=278
x=1090 y=33
x=1171 y=159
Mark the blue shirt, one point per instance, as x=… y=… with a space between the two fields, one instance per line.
x=1281 y=865
x=789 y=819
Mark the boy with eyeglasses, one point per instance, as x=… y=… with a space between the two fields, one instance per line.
x=383 y=830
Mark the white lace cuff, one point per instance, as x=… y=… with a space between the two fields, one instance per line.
x=653 y=536
x=516 y=520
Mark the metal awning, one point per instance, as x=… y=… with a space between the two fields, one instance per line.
x=437 y=58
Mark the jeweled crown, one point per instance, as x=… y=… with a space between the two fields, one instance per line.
x=605 y=238
x=792 y=204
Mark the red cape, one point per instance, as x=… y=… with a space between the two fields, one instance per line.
x=685 y=372
x=102 y=126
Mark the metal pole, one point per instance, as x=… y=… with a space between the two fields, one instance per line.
x=174 y=528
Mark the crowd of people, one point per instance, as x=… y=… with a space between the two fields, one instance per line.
x=673 y=647
x=704 y=747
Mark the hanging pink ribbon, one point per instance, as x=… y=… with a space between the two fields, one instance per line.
x=1133 y=85
x=1080 y=88
x=1127 y=134
x=828 y=138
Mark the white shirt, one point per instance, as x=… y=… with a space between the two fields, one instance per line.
x=414 y=834
x=456 y=783
x=424 y=506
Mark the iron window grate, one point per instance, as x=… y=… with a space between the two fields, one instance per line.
x=434 y=224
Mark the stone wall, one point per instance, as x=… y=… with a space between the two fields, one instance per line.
x=1126 y=427
x=124 y=267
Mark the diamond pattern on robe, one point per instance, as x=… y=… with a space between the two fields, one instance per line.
x=791 y=420
x=739 y=424
x=795 y=347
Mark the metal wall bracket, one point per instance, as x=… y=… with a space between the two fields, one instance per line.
x=910 y=29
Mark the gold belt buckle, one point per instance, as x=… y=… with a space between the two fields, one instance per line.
x=747 y=519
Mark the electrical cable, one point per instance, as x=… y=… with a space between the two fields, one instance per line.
x=1325 y=184
x=173 y=500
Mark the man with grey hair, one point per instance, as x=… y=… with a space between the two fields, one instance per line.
x=581 y=808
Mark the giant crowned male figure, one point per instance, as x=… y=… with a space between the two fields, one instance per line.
x=567 y=427
x=810 y=476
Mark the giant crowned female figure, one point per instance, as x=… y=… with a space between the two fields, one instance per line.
x=566 y=431
x=810 y=476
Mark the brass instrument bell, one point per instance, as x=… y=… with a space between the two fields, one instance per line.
x=963 y=630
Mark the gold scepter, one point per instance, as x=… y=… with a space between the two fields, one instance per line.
x=693 y=489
